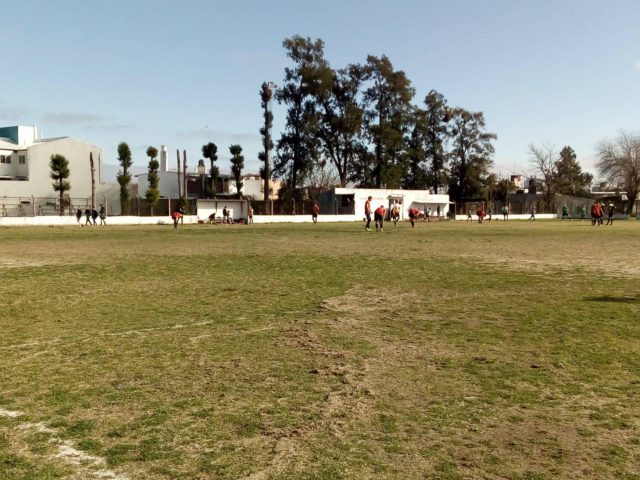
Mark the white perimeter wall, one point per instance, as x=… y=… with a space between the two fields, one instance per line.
x=193 y=219
x=523 y=216
x=53 y=221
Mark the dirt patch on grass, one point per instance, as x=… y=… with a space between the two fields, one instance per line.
x=554 y=249
x=348 y=399
x=350 y=377
x=85 y=465
x=562 y=447
x=358 y=301
x=8 y=262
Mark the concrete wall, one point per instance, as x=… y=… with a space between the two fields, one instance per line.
x=193 y=219
x=238 y=208
x=167 y=184
x=53 y=221
x=498 y=216
x=304 y=218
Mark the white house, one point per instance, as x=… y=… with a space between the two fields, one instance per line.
x=25 y=172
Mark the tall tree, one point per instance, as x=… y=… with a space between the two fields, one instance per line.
x=388 y=105
x=569 y=178
x=59 y=166
x=298 y=147
x=416 y=175
x=266 y=93
x=437 y=134
x=153 y=194
x=543 y=160
x=124 y=178
x=341 y=119
x=210 y=151
x=470 y=156
x=237 y=164
x=619 y=164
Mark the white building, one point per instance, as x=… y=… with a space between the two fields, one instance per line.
x=253 y=187
x=25 y=172
x=350 y=201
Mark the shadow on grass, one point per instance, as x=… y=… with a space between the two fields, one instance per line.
x=611 y=299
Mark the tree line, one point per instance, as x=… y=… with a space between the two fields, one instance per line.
x=618 y=165
x=152 y=195
x=361 y=120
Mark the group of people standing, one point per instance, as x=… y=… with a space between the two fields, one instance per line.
x=481 y=213
x=379 y=214
x=91 y=216
x=597 y=214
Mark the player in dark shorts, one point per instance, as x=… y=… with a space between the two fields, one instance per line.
x=367 y=213
x=414 y=213
x=176 y=216
x=315 y=210
x=378 y=216
x=612 y=212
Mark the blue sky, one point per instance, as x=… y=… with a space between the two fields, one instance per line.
x=183 y=73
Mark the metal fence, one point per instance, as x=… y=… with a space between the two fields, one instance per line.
x=38 y=206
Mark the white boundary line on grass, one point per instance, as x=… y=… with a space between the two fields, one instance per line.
x=66 y=449
x=138 y=331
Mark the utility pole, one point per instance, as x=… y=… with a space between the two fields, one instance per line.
x=93 y=181
x=184 y=173
x=179 y=179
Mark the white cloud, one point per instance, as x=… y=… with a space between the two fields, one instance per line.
x=64 y=118
x=218 y=136
x=13 y=114
x=637 y=66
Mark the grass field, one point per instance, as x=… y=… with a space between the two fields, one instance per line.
x=448 y=351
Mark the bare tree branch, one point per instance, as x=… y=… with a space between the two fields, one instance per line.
x=619 y=164
x=543 y=159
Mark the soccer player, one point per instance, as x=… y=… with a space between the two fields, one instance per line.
x=505 y=213
x=414 y=213
x=395 y=214
x=176 y=216
x=315 y=210
x=378 y=216
x=612 y=212
x=367 y=213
